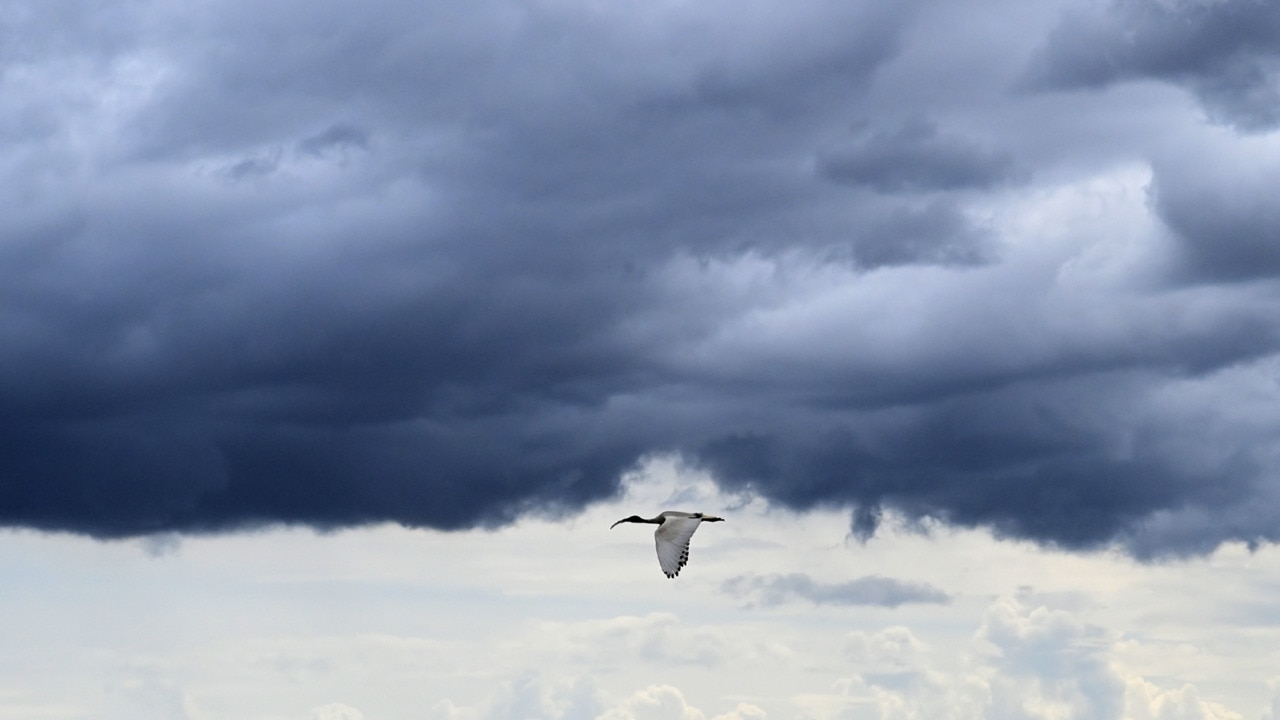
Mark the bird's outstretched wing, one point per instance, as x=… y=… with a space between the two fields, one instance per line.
x=672 y=538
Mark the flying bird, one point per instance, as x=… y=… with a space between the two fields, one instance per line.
x=672 y=536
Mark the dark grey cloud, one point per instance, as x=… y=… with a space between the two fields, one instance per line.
x=338 y=138
x=914 y=156
x=1223 y=214
x=1227 y=53
x=916 y=160
x=1023 y=475
x=927 y=231
x=772 y=590
x=445 y=264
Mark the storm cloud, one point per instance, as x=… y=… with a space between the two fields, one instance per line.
x=446 y=264
x=1226 y=53
x=914 y=156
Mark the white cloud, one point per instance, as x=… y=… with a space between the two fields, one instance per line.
x=1145 y=701
x=336 y=711
x=533 y=696
x=661 y=702
x=1025 y=662
x=658 y=638
x=1273 y=708
x=536 y=696
x=890 y=649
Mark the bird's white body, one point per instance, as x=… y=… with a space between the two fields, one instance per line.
x=675 y=528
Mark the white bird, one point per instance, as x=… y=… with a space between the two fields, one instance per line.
x=672 y=536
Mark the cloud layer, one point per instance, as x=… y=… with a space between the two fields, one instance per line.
x=870 y=590
x=448 y=264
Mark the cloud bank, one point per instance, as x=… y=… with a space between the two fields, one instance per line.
x=448 y=264
x=771 y=590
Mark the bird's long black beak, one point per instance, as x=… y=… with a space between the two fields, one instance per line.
x=617 y=523
x=712 y=518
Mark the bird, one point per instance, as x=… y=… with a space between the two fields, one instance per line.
x=672 y=536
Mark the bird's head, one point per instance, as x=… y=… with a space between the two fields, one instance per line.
x=633 y=518
x=712 y=518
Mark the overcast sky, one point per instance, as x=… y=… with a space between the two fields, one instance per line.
x=924 y=269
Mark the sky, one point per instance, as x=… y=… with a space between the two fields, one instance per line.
x=334 y=335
